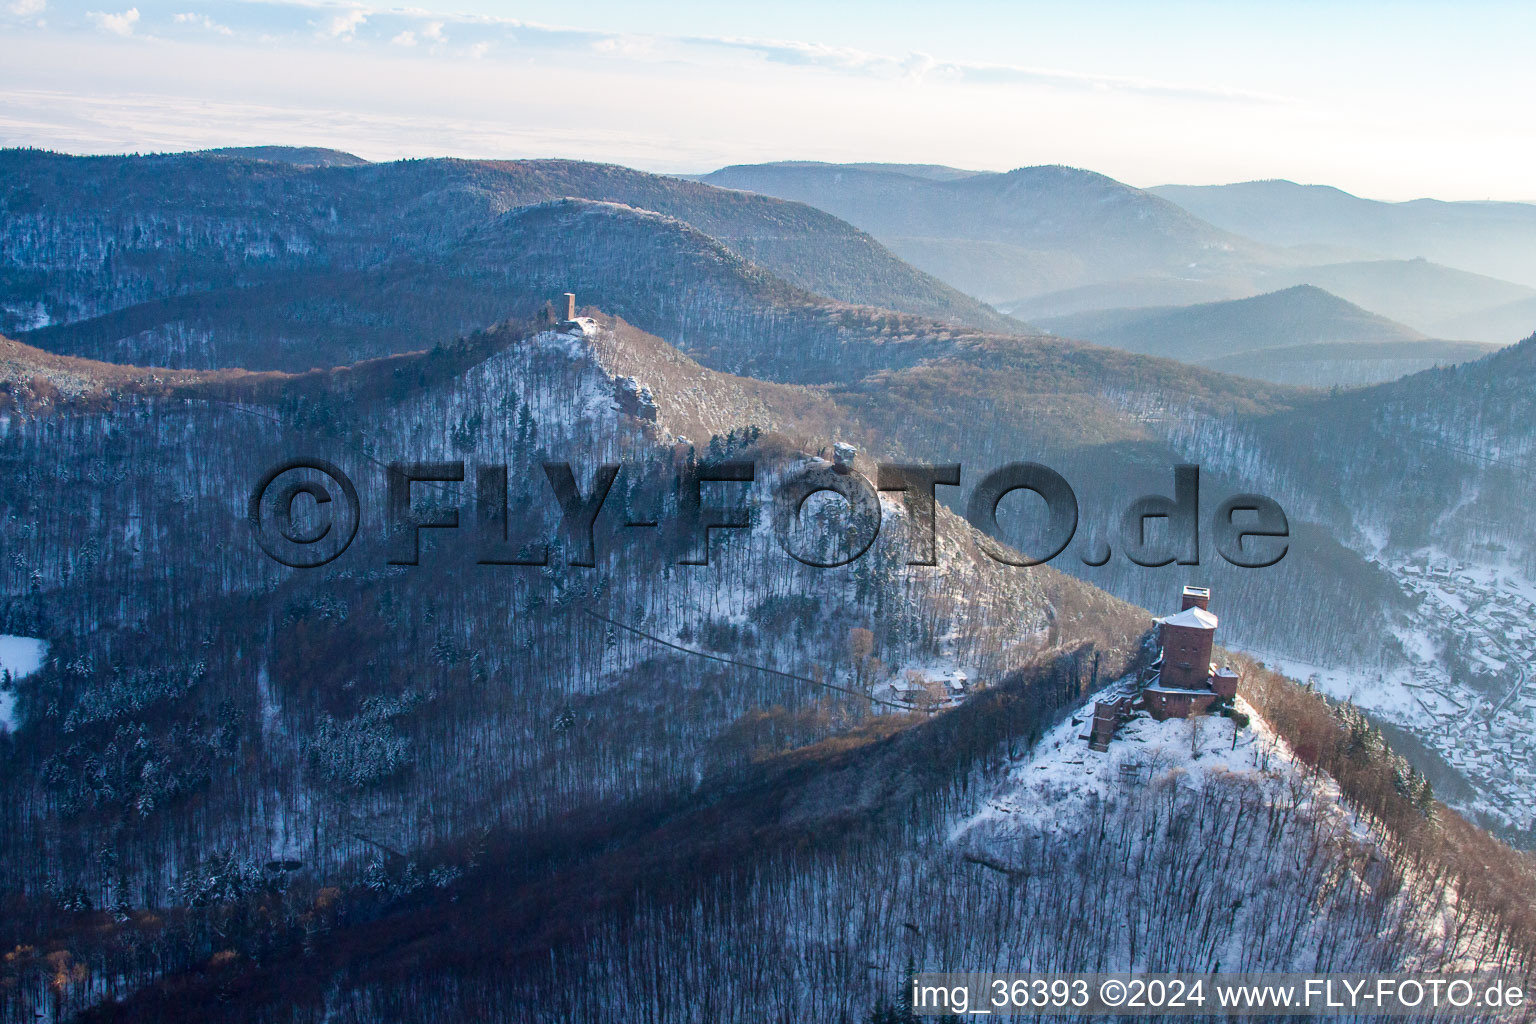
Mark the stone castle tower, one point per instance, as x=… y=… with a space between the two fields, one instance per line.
x=1186 y=682
x=1183 y=680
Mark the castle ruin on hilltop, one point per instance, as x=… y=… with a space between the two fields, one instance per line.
x=1182 y=682
x=573 y=324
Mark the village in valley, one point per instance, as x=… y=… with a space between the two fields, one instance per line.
x=1470 y=693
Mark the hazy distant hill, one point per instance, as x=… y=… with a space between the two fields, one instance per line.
x=1301 y=335
x=1052 y=241
x=1153 y=290
x=1497 y=239
x=82 y=236
x=1428 y=297
x=929 y=172
x=1421 y=294
x=1295 y=316
x=1507 y=320
x=1039 y=229
x=1348 y=364
x=299 y=156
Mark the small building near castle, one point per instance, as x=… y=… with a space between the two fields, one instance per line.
x=1109 y=713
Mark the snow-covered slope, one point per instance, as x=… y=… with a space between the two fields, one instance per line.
x=1218 y=818
x=1063 y=784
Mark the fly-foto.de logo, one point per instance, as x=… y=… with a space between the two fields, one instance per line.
x=306 y=512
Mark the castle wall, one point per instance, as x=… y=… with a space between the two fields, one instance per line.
x=1186 y=656
x=1163 y=704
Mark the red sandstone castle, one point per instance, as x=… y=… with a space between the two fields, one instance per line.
x=1181 y=682
x=1186 y=682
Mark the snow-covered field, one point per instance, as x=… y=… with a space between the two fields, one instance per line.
x=20 y=656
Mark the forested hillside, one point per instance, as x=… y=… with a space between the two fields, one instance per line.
x=906 y=381
x=355 y=777
x=1441 y=459
x=403 y=711
x=88 y=235
x=235 y=790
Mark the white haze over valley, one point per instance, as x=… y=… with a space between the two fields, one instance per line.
x=1391 y=102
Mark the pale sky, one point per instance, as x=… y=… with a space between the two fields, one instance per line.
x=1392 y=101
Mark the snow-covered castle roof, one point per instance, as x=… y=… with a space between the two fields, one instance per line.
x=1193 y=618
